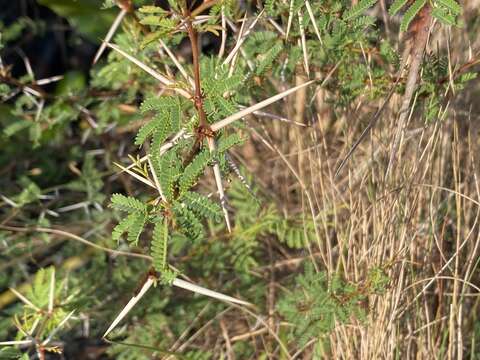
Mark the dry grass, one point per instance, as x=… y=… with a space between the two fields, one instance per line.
x=419 y=224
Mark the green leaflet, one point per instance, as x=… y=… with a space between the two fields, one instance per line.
x=122 y=227
x=411 y=13
x=161 y=133
x=201 y=205
x=363 y=22
x=148 y=9
x=226 y=142
x=194 y=170
x=145 y=131
x=15 y=127
x=443 y=16
x=166 y=121
x=136 y=227
x=159 y=103
x=134 y=222
x=292 y=233
x=30 y=193
x=358 y=9
x=127 y=203
x=159 y=245
x=266 y=62
x=175 y=114
x=167 y=277
x=451 y=5
x=190 y=225
x=220 y=84
x=396 y=6
x=225 y=107
x=166 y=24
x=167 y=169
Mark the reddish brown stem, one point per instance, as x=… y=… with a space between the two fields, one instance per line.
x=126 y=5
x=203 y=128
x=419 y=30
x=198 y=97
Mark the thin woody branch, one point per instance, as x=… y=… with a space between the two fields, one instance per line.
x=419 y=30
x=198 y=97
x=203 y=130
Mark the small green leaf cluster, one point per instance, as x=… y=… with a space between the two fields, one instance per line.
x=317 y=304
x=447 y=11
x=135 y=221
x=156 y=18
x=219 y=88
x=437 y=79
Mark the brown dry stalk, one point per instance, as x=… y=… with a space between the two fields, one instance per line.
x=419 y=31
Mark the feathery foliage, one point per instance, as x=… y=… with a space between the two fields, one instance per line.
x=358 y=9
x=318 y=304
x=410 y=14
x=194 y=170
x=396 y=6
x=127 y=203
x=159 y=246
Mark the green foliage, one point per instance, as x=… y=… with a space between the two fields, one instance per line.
x=89 y=182
x=446 y=11
x=201 y=205
x=219 y=89
x=167 y=168
x=377 y=280
x=190 y=224
x=107 y=4
x=30 y=192
x=227 y=142
x=123 y=226
x=165 y=122
x=450 y=5
x=127 y=203
x=396 y=6
x=134 y=223
x=157 y=19
x=443 y=16
x=317 y=304
x=159 y=246
x=47 y=302
x=12 y=353
x=410 y=14
x=358 y=9
x=136 y=227
x=193 y=170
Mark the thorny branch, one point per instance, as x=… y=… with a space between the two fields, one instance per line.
x=198 y=97
x=203 y=129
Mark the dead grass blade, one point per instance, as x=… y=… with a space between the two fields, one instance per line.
x=133 y=301
x=162 y=79
x=110 y=34
x=207 y=292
